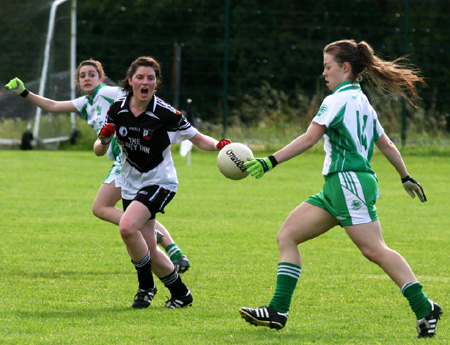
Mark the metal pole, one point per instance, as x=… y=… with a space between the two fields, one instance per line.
x=405 y=51
x=51 y=25
x=176 y=100
x=73 y=56
x=225 y=68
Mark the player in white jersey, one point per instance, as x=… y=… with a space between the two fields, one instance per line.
x=146 y=127
x=350 y=127
x=93 y=106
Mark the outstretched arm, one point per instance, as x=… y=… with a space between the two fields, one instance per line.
x=302 y=143
x=207 y=143
x=257 y=167
x=47 y=104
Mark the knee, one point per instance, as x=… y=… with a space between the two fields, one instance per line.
x=127 y=230
x=99 y=210
x=96 y=211
x=284 y=237
x=373 y=254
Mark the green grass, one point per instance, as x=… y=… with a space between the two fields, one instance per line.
x=65 y=276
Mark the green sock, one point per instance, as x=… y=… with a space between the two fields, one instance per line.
x=174 y=252
x=417 y=299
x=287 y=277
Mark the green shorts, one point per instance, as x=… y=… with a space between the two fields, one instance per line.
x=349 y=196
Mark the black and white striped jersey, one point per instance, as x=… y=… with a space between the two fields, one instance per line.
x=145 y=141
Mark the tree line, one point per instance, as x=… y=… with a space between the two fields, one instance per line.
x=270 y=42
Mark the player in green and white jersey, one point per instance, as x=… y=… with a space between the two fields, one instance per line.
x=350 y=127
x=93 y=106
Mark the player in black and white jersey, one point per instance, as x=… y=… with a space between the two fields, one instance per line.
x=92 y=106
x=145 y=127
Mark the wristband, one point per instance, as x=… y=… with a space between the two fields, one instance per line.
x=25 y=93
x=273 y=160
x=407 y=178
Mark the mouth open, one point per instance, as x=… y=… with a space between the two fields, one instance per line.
x=144 y=91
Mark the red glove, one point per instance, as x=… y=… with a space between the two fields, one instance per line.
x=106 y=133
x=222 y=143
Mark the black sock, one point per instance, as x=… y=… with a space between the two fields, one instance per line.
x=175 y=285
x=144 y=273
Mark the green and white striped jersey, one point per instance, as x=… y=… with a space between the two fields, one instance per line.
x=94 y=108
x=352 y=128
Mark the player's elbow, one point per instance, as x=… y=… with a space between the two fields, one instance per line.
x=308 y=143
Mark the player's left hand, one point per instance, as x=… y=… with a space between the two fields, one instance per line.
x=16 y=85
x=257 y=167
x=222 y=143
x=413 y=187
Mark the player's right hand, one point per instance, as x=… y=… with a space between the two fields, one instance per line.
x=222 y=143
x=16 y=85
x=413 y=187
x=106 y=133
x=257 y=167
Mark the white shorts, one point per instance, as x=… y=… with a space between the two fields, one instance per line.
x=114 y=175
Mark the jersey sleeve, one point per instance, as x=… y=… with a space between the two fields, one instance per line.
x=180 y=128
x=328 y=111
x=80 y=103
x=112 y=93
x=378 y=129
x=111 y=114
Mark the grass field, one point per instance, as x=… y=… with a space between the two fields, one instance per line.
x=66 y=278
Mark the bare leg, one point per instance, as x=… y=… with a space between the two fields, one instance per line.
x=132 y=221
x=369 y=239
x=161 y=264
x=167 y=239
x=305 y=222
x=104 y=207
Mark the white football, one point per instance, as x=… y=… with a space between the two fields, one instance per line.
x=231 y=160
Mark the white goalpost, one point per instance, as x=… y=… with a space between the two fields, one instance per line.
x=32 y=138
x=51 y=28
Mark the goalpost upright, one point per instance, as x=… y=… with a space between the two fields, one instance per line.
x=44 y=73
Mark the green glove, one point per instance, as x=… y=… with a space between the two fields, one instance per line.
x=257 y=167
x=17 y=86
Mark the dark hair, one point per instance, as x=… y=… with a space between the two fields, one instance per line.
x=146 y=61
x=91 y=62
x=390 y=76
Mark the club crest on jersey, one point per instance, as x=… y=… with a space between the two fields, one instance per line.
x=356 y=205
x=147 y=134
x=322 y=109
x=123 y=131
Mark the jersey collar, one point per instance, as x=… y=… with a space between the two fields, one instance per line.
x=347 y=85
x=150 y=107
x=91 y=98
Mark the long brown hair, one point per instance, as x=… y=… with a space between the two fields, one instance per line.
x=395 y=76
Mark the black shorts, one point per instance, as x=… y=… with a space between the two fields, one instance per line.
x=154 y=197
